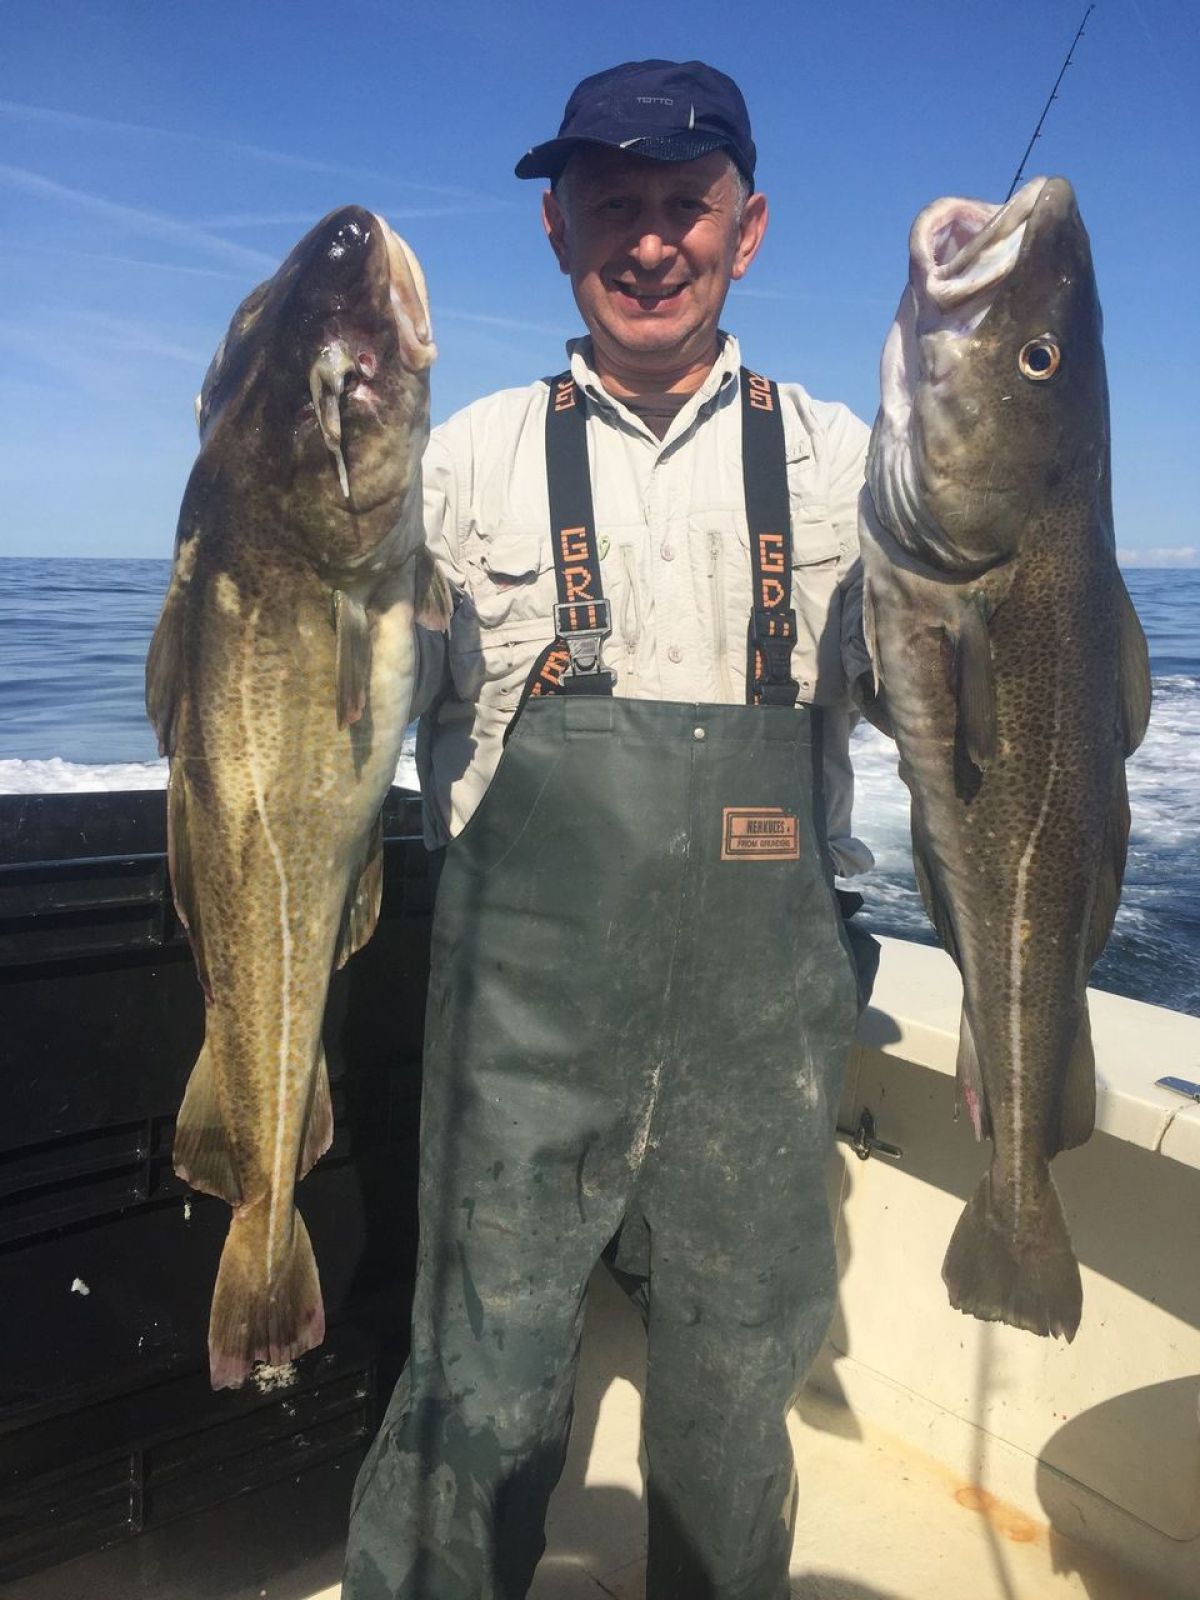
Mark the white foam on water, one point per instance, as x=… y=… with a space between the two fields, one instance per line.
x=56 y=776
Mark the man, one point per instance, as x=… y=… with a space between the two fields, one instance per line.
x=641 y=994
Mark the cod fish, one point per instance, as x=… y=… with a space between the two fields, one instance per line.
x=1014 y=674
x=279 y=680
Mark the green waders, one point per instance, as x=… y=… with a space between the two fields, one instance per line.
x=640 y=1005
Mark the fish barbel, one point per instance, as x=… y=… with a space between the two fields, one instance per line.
x=280 y=680
x=1014 y=674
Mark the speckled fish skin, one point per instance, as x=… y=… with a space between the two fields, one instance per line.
x=1015 y=676
x=280 y=680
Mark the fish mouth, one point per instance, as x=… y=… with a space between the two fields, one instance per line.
x=960 y=251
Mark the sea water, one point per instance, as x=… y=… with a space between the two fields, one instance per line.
x=73 y=640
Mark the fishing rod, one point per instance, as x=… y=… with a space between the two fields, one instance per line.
x=1053 y=97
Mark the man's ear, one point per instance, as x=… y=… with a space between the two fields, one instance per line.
x=555 y=224
x=753 y=226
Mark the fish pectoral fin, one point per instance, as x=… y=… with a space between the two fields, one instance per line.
x=935 y=906
x=202 y=1155
x=183 y=882
x=974 y=688
x=1134 y=673
x=1077 y=1108
x=431 y=599
x=971 y=1092
x=353 y=629
x=361 y=910
x=164 y=668
x=318 y=1134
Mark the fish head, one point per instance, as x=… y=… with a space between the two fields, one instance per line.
x=992 y=378
x=321 y=386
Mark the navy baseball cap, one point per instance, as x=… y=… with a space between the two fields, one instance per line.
x=666 y=110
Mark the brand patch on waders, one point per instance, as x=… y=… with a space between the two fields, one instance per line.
x=759 y=833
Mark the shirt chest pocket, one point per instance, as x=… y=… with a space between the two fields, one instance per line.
x=511 y=578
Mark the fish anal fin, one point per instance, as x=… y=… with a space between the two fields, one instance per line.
x=318 y=1134
x=431 y=599
x=363 y=898
x=183 y=882
x=971 y=1091
x=1077 y=1105
x=1029 y=1279
x=202 y=1155
x=258 y=1316
x=164 y=668
x=1134 y=658
x=353 y=629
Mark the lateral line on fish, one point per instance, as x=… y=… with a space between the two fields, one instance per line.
x=1016 y=966
x=260 y=802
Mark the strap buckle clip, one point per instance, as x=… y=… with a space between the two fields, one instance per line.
x=585 y=643
x=772 y=635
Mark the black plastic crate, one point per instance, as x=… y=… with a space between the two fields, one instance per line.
x=108 y=1426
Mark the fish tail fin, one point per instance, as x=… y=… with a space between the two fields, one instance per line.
x=260 y=1313
x=1029 y=1278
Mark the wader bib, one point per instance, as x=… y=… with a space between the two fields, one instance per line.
x=640 y=1005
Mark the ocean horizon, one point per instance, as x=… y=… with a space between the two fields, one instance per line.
x=74 y=631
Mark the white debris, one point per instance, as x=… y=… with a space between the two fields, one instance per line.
x=79 y=1287
x=267 y=1379
x=187 y=1217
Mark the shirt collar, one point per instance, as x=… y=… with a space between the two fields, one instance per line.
x=724 y=371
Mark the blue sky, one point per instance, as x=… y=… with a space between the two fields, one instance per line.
x=157 y=159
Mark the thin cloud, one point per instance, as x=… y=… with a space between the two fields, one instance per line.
x=306 y=219
x=132 y=261
x=51 y=116
x=509 y=324
x=137 y=220
x=815 y=295
x=1180 y=555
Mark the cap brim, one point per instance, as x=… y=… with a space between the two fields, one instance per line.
x=548 y=160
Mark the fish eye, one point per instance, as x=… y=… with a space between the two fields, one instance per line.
x=1039 y=359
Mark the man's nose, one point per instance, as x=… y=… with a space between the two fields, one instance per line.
x=650 y=248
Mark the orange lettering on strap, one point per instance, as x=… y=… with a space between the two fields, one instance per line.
x=564 y=395
x=760 y=393
x=577 y=582
x=772 y=593
x=573 y=544
x=770 y=552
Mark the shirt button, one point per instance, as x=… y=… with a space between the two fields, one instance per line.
x=667 y=553
x=675 y=653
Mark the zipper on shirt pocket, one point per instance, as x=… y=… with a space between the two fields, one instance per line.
x=631 y=613
x=716 y=578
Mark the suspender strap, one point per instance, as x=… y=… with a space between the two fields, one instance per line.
x=571 y=664
x=772 y=633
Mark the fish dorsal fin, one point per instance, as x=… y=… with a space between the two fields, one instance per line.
x=971 y=1090
x=1111 y=869
x=164 y=668
x=361 y=910
x=1134 y=673
x=1077 y=1107
x=183 y=881
x=431 y=596
x=318 y=1131
x=353 y=629
x=935 y=906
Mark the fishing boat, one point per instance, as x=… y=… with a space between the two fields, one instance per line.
x=939 y=1458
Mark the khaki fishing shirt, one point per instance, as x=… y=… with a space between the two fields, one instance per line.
x=675 y=564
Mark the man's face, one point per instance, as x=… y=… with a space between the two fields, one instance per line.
x=651 y=247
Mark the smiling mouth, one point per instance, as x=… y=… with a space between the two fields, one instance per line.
x=648 y=299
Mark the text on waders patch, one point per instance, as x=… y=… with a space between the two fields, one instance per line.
x=759 y=833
